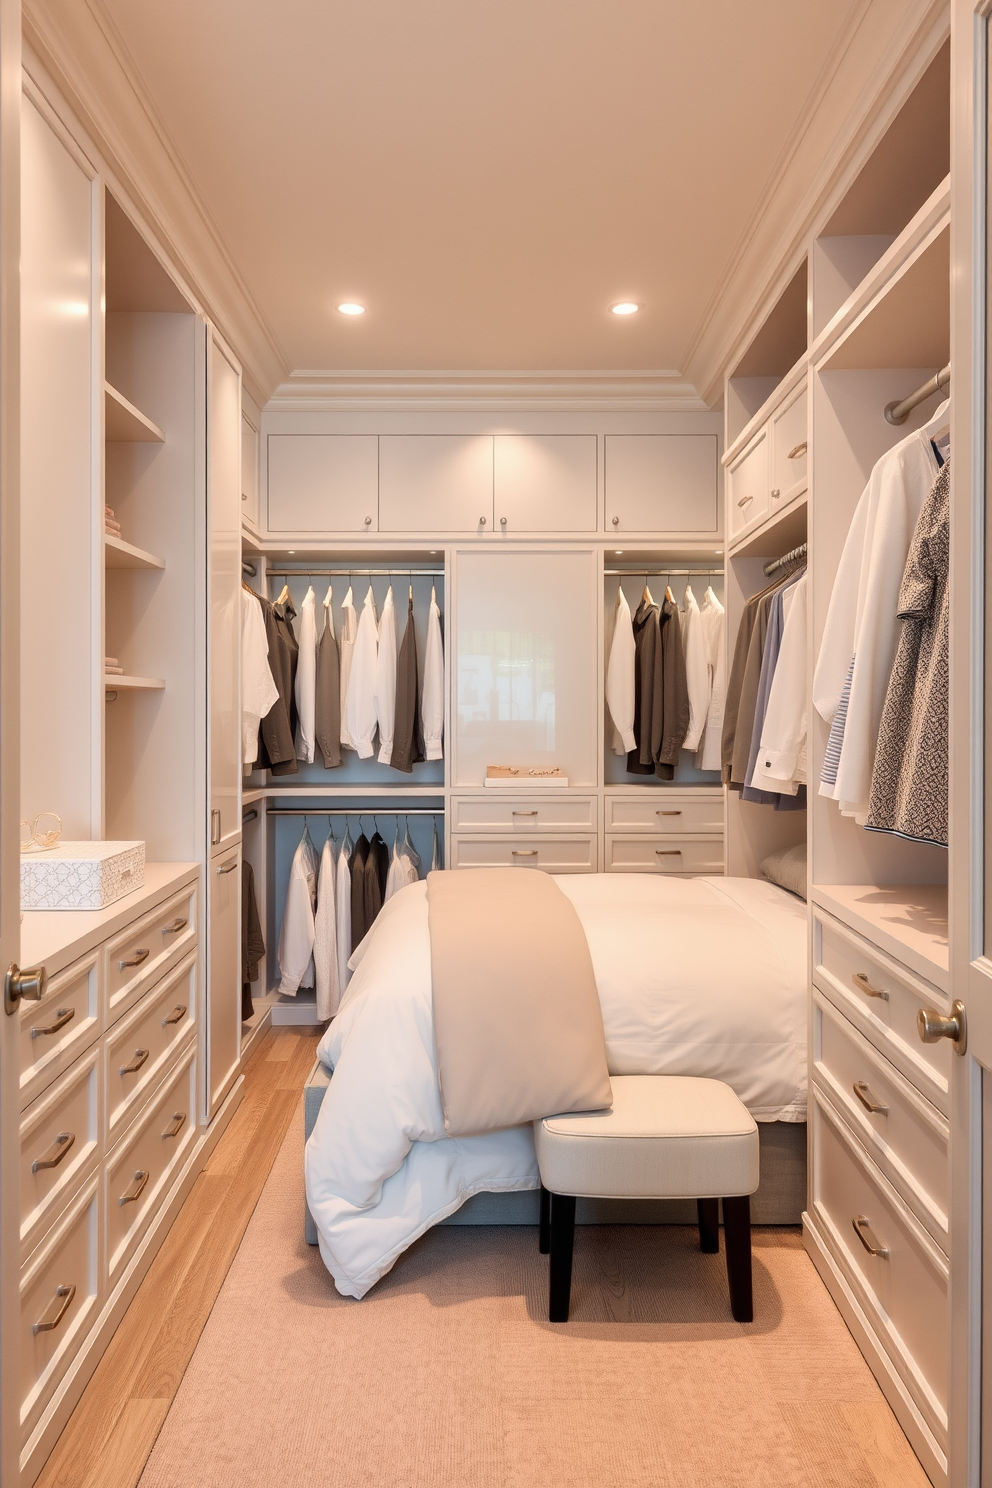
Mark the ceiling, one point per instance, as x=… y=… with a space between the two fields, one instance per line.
x=487 y=178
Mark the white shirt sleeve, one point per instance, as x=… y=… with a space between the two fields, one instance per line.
x=297 y=932
x=432 y=699
x=258 y=690
x=325 y=942
x=712 y=617
x=360 y=702
x=620 y=678
x=385 y=680
x=349 y=630
x=783 y=732
x=306 y=680
x=697 y=672
x=837 y=643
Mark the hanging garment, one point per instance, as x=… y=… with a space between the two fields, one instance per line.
x=711 y=616
x=296 y=936
x=648 y=688
x=436 y=863
x=675 y=693
x=620 y=677
x=376 y=877
x=327 y=698
x=909 y=779
x=359 y=864
x=325 y=941
x=835 y=739
x=788 y=800
x=349 y=632
x=306 y=679
x=360 y=702
x=258 y=689
x=735 y=682
x=252 y=944
x=404 y=868
x=861 y=618
x=780 y=764
x=342 y=896
x=385 y=679
x=745 y=676
x=408 y=738
x=432 y=706
x=276 y=735
x=697 y=674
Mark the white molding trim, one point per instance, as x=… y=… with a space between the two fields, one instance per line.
x=426 y=391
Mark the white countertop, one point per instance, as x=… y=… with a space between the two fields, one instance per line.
x=908 y=921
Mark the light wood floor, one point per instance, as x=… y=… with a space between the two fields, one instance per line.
x=107 y=1439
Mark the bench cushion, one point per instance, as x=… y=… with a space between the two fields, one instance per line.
x=667 y=1137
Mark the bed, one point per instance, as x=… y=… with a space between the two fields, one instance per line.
x=703 y=976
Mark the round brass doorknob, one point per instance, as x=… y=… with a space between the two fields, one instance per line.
x=932 y=1025
x=29 y=983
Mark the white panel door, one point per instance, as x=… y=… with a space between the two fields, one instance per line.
x=661 y=483
x=323 y=482
x=544 y=483
x=435 y=483
x=224 y=591
x=223 y=976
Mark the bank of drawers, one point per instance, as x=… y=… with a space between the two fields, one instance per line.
x=664 y=831
x=553 y=830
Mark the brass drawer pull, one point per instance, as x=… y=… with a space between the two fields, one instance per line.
x=523 y=852
x=869 y=1240
x=668 y=813
x=800 y=449
x=175 y=1125
x=174 y=926
x=860 y=980
x=524 y=813
x=63 y=1295
x=176 y=1016
x=228 y=867
x=134 y=960
x=745 y=501
x=140 y=1055
x=62 y=1017
x=868 y=1100
x=668 y=852
x=54 y=1154
x=135 y=1190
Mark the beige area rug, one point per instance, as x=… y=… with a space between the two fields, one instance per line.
x=448 y=1374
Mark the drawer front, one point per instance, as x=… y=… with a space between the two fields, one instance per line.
x=748 y=484
x=60 y=1300
x=904 y=1290
x=54 y=1031
x=646 y=854
x=139 y=955
x=904 y=1133
x=788 y=448
x=499 y=812
x=665 y=812
x=574 y=854
x=140 y=1169
x=882 y=999
x=141 y=1045
x=60 y=1142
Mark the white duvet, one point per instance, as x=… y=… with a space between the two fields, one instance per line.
x=698 y=976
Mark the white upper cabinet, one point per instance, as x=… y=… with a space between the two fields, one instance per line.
x=435 y=483
x=249 y=472
x=661 y=483
x=323 y=482
x=544 y=483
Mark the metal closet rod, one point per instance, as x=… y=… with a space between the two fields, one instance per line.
x=776 y=563
x=342 y=811
x=898 y=413
x=399 y=572
x=661 y=573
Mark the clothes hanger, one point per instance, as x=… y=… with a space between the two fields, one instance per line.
x=410 y=577
x=646 y=593
x=284 y=594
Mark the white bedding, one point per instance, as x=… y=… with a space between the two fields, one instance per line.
x=698 y=976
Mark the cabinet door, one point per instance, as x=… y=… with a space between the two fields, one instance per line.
x=788 y=448
x=249 y=472
x=224 y=586
x=661 y=483
x=323 y=482
x=748 y=485
x=223 y=1020
x=435 y=483
x=544 y=483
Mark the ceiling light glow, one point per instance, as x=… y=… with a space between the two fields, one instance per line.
x=351 y=307
x=625 y=307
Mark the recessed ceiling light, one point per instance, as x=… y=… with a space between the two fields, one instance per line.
x=618 y=552
x=351 y=307
x=291 y=552
x=625 y=307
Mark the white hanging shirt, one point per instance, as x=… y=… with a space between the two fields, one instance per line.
x=306 y=679
x=404 y=869
x=360 y=701
x=325 y=943
x=385 y=680
x=432 y=697
x=258 y=690
x=861 y=619
x=620 y=677
x=342 y=895
x=714 y=631
x=781 y=762
x=349 y=630
x=297 y=933
x=697 y=672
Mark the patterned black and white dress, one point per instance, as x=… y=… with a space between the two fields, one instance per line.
x=909 y=779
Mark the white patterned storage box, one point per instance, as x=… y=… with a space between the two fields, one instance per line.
x=81 y=875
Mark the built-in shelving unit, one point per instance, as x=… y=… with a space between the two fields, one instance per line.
x=121 y=554
x=123 y=422
x=132 y=684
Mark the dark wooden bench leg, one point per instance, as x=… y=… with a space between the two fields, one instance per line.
x=709 y=1225
x=544 y=1230
x=562 y=1238
x=737 y=1237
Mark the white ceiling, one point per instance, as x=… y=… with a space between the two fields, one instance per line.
x=486 y=177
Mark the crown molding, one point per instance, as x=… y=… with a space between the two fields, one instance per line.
x=83 y=55
x=656 y=391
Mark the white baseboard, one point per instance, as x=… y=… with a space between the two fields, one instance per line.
x=257 y=1030
x=288 y=1014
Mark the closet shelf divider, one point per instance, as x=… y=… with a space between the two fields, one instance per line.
x=121 y=554
x=124 y=423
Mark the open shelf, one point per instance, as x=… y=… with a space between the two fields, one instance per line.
x=909 y=921
x=126 y=424
x=908 y=322
x=120 y=554
x=132 y=684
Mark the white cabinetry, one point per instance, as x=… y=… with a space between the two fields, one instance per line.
x=249 y=472
x=661 y=483
x=747 y=487
x=435 y=483
x=323 y=482
x=675 y=830
x=544 y=483
x=223 y=1031
x=789 y=448
x=224 y=590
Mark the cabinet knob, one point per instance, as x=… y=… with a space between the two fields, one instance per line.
x=502 y=521
x=482 y=521
x=616 y=521
x=776 y=494
x=368 y=521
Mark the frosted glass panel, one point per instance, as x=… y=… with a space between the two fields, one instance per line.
x=524 y=664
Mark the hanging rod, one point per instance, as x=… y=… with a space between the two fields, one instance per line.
x=776 y=563
x=399 y=572
x=361 y=811
x=898 y=413
x=661 y=573
x=248 y=568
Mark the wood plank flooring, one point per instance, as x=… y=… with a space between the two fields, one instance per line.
x=107 y=1439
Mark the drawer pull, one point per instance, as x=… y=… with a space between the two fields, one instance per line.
x=668 y=813
x=800 y=449
x=869 y=1240
x=174 y=926
x=62 y=1017
x=668 y=852
x=54 y=1154
x=136 y=1188
x=524 y=813
x=175 y=1125
x=933 y=1025
x=140 y=1055
x=176 y=1016
x=745 y=501
x=63 y=1296
x=860 y=980
x=868 y=1100
x=523 y=852
x=134 y=960
x=228 y=867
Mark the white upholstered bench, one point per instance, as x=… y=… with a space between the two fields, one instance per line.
x=666 y=1137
